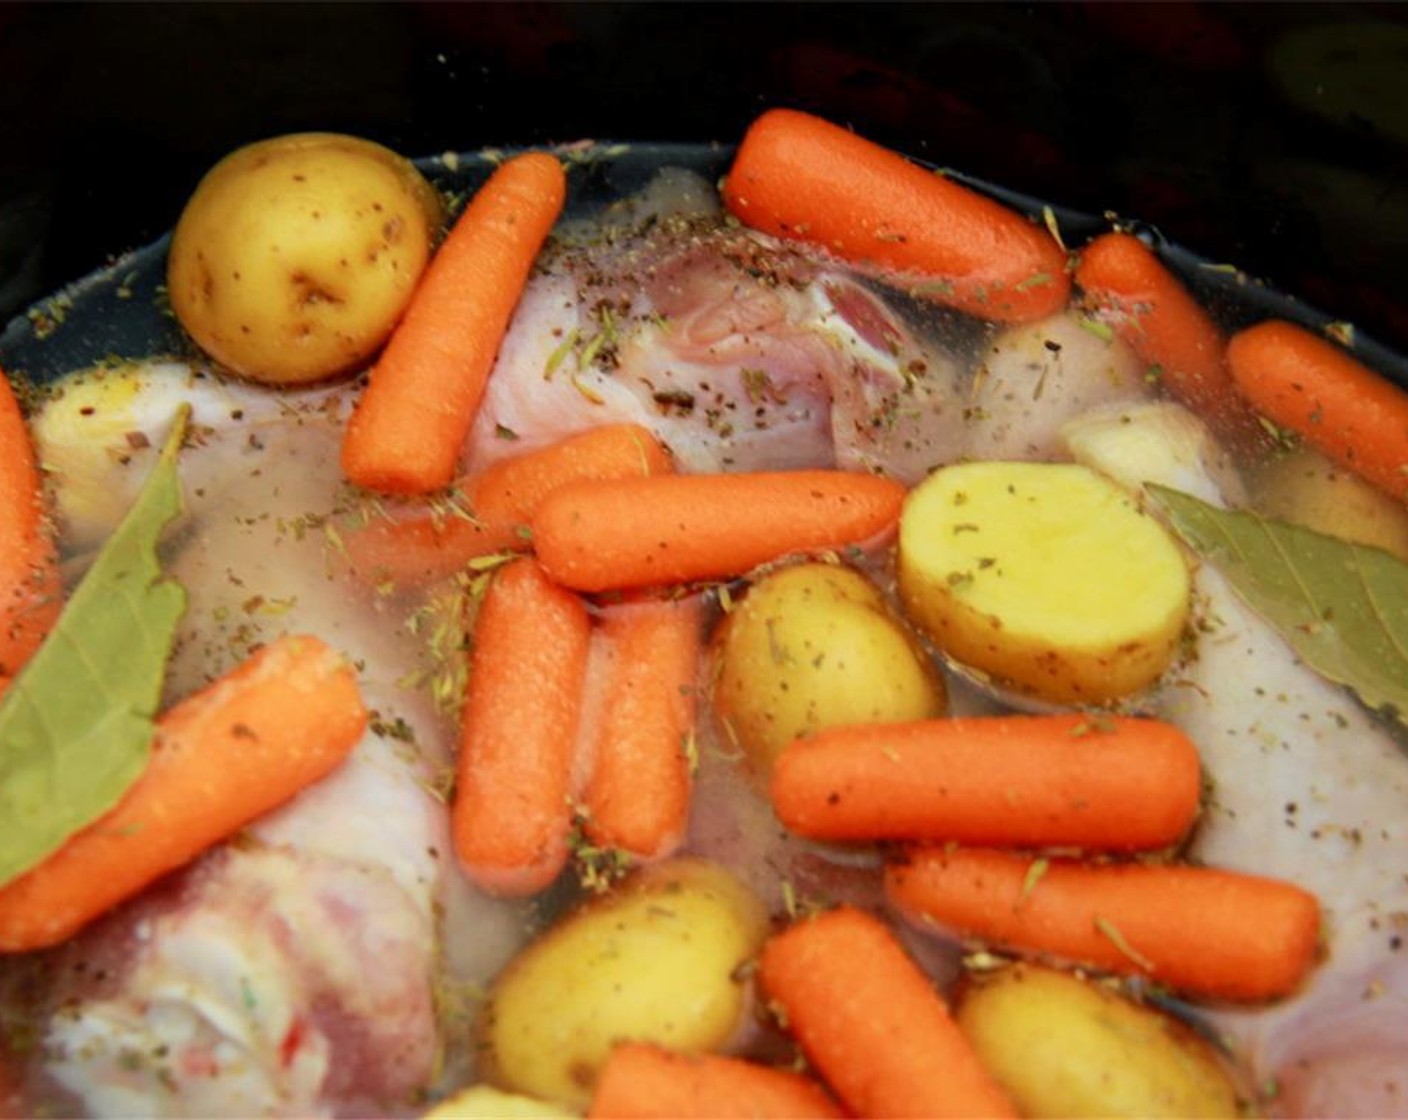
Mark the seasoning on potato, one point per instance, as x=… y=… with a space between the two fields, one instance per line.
x=1045 y=576
x=657 y=960
x=813 y=646
x=1061 y=1046
x=296 y=256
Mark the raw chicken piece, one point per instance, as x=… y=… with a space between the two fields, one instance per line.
x=99 y=436
x=282 y=984
x=1306 y=786
x=1037 y=376
x=296 y=971
x=739 y=353
x=1155 y=441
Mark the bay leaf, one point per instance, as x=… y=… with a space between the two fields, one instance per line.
x=76 y=723
x=1342 y=607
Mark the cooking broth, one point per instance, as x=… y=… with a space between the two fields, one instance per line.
x=332 y=957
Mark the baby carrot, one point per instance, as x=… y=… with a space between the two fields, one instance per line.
x=1313 y=388
x=511 y=816
x=1156 y=316
x=602 y=536
x=31 y=591
x=500 y=502
x=641 y=1081
x=406 y=432
x=637 y=797
x=870 y=1021
x=1023 y=781
x=798 y=176
x=221 y=758
x=1197 y=930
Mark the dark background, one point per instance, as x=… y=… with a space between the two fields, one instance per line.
x=1271 y=136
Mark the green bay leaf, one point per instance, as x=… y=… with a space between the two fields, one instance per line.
x=1343 y=607
x=76 y=724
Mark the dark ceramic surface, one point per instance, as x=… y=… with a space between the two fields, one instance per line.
x=1271 y=136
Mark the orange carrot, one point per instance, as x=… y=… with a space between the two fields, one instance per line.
x=1024 y=781
x=406 y=432
x=1313 y=388
x=221 y=758
x=31 y=590
x=640 y=1081
x=797 y=176
x=870 y=1021
x=511 y=817
x=601 y=536
x=1196 y=930
x=1156 y=316
x=637 y=798
x=500 y=503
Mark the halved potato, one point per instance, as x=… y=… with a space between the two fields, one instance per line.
x=1045 y=576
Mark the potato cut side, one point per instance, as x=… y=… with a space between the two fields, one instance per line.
x=1045 y=576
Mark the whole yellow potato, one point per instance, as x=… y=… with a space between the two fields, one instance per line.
x=296 y=256
x=1061 y=1047
x=658 y=959
x=1046 y=577
x=1304 y=487
x=811 y=646
x=483 y=1102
